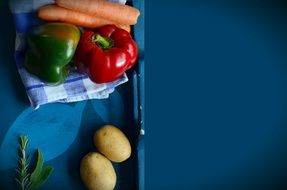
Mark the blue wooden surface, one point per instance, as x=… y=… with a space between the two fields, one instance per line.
x=64 y=131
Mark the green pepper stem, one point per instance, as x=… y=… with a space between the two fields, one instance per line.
x=103 y=42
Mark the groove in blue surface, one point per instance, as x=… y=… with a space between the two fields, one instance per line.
x=139 y=37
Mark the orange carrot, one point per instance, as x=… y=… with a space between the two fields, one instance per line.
x=115 y=12
x=56 y=13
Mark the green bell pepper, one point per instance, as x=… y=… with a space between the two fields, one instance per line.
x=51 y=47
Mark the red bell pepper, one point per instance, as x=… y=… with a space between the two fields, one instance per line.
x=106 y=53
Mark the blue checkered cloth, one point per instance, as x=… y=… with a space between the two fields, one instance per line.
x=77 y=87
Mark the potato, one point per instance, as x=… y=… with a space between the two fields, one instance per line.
x=97 y=172
x=112 y=142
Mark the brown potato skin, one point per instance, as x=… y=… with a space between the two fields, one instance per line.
x=113 y=143
x=97 y=172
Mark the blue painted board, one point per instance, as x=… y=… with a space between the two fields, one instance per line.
x=64 y=132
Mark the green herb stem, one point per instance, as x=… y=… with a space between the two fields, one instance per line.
x=22 y=172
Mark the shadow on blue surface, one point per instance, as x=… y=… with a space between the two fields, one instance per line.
x=7 y=63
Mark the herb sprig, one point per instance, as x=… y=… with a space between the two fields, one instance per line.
x=22 y=171
x=25 y=179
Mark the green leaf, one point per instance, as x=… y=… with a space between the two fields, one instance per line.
x=40 y=174
x=39 y=165
x=42 y=178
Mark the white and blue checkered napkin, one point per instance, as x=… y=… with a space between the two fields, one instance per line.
x=77 y=87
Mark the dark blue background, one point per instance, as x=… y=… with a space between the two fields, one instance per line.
x=216 y=91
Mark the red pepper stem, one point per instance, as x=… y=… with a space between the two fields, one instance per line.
x=103 y=42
